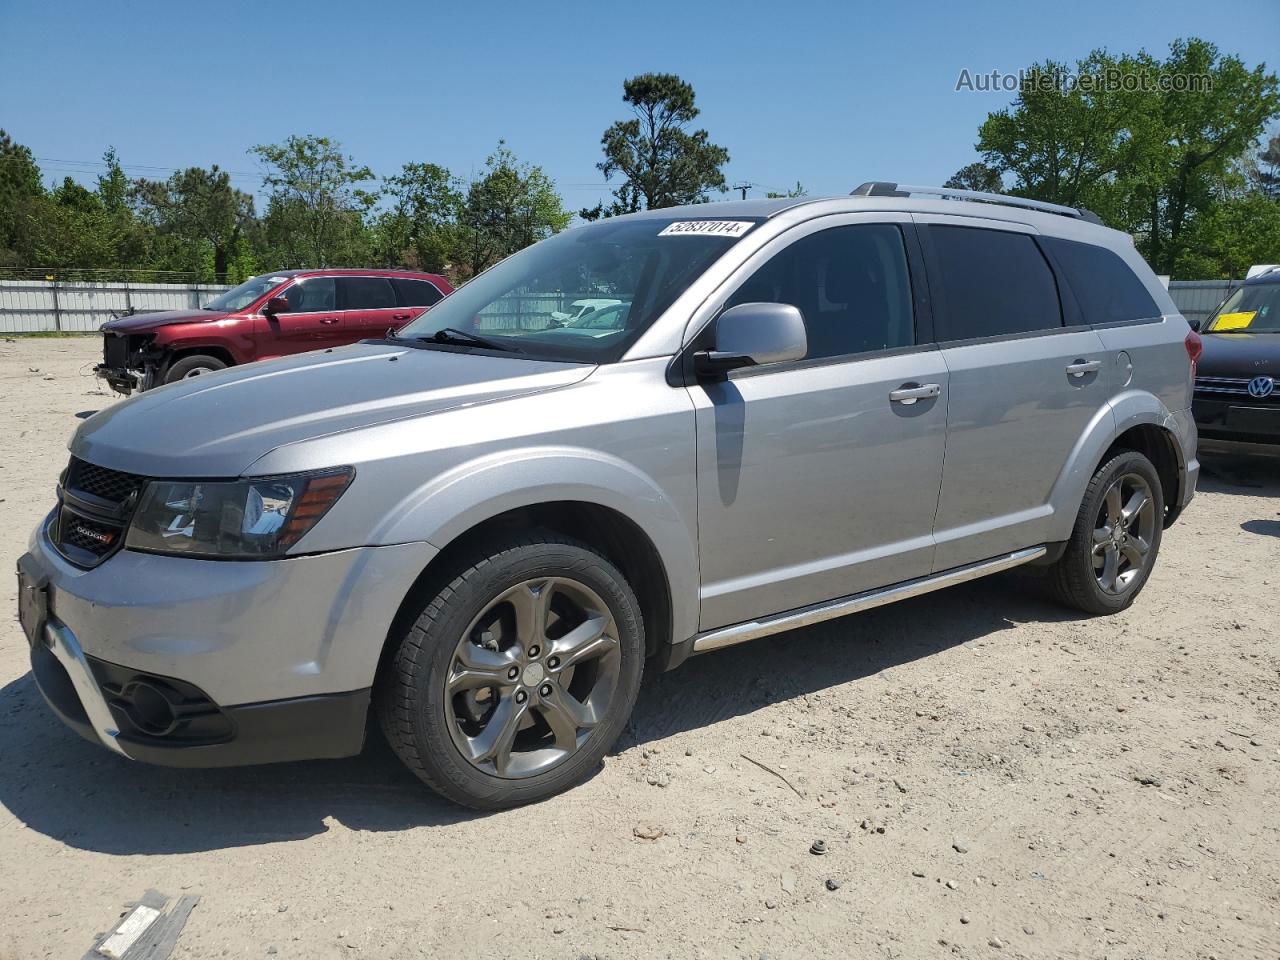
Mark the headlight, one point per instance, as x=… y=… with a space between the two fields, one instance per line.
x=243 y=519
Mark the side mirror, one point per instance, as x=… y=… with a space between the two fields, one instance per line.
x=276 y=305
x=754 y=333
x=1195 y=324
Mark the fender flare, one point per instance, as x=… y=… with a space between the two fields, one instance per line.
x=1124 y=412
x=449 y=505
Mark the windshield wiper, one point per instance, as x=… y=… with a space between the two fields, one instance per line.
x=456 y=336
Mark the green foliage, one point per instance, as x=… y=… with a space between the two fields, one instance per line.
x=315 y=211
x=1232 y=235
x=510 y=206
x=22 y=196
x=1148 y=157
x=976 y=176
x=199 y=218
x=663 y=164
x=419 y=228
x=797 y=191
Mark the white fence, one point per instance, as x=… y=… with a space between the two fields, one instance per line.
x=30 y=306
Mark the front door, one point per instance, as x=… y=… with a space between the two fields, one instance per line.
x=312 y=321
x=819 y=478
x=1024 y=387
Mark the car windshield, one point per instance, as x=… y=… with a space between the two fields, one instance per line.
x=632 y=268
x=237 y=298
x=1254 y=308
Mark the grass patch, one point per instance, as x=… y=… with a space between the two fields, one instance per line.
x=50 y=334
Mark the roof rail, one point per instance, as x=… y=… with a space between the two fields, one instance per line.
x=877 y=188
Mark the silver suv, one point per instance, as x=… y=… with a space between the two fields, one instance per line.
x=482 y=529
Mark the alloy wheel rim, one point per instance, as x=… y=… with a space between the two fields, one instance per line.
x=534 y=674
x=1123 y=532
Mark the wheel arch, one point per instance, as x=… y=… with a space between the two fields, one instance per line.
x=608 y=505
x=1138 y=421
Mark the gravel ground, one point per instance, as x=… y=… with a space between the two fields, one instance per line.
x=992 y=775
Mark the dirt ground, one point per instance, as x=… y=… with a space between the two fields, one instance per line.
x=993 y=775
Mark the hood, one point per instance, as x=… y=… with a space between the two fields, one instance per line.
x=1243 y=355
x=142 y=322
x=218 y=424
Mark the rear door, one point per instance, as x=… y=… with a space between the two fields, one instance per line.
x=1024 y=386
x=311 y=322
x=370 y=307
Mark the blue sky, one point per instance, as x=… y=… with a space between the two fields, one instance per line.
x=828 y=93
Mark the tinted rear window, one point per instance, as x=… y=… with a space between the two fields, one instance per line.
x=416 y=293
x=1107 y=289
x=365 y=293
x=993 y=283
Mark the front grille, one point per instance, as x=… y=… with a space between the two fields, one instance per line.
x=113 y=485
x=96 y=504
x=115 y=351
x=1232 y=388
x=87 y=535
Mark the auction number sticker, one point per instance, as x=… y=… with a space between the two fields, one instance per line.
x=707 y=228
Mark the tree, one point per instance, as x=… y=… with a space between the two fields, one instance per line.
x=201 y=214
x=1234 y=234
x=419 y=229
x=797 y=191
x=21 y=197
x=976 y=176
x=315 y=212
x=663 y=164
x=511 y=206
x=1266 y=170
x=1148 y=155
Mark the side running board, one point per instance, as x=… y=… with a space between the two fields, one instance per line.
x=830 y=609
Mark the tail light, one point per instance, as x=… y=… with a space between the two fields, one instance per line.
x=1195 y=347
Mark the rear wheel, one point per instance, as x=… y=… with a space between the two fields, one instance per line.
x=192 y=366
x=517 y=676
x=1116 y=538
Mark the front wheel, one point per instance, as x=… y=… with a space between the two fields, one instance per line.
x=193 y=366
x=517 y=676
x=1116 y=538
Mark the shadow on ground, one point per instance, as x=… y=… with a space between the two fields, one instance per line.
x=1252 y=475
x=77 y=793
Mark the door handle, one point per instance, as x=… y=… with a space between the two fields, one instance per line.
x=401 y=316
x=911 y=392
x=328 y=319
x=1081 y=367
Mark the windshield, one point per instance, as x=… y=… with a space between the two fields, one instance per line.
x=1251 y=309
x=237 y=298
x=628 y=271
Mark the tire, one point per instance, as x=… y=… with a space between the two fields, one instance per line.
x=450 y=675
x=192 y=366
x=1083 y=576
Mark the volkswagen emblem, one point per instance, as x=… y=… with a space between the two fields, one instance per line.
x=1261 y=387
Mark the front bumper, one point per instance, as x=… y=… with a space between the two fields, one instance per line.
x=187 y=662
x=119 y=379
x=1238 y=421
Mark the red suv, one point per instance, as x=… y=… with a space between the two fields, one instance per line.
x=290 y=311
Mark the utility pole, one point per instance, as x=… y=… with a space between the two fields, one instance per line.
x=744 y=187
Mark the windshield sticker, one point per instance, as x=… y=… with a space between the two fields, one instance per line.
x=277 y=280
x=707 y=228
x=1234 y=321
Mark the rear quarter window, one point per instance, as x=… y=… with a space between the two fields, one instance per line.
x=1106 y=288
x=416 y=293
x=993 y=283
